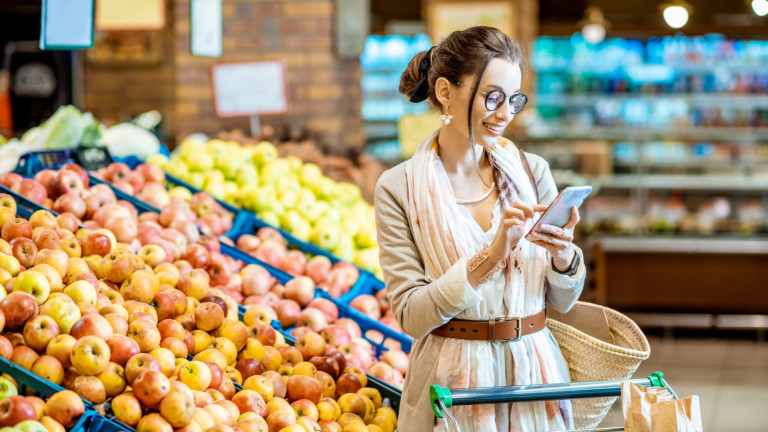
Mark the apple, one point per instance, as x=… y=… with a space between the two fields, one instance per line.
x=368 y=305
x=318 y=268
x=352 y=327
x=33 y=283
x=196 y=375
x=235 y=331
x=18 y=308
x=303 y=387
x=250 y=401
x=153 y=422
x=326 y=364
x=167 y=360
x=62 y=309
x=64 y=181
x=24 y=250
x=218 y=269
x=43 y=218
x=92 y=325
x=126 y=409
x=194 y=283
x=14 y=409
x=300 y=289
x=208 y=316
x=24 y=356
x=290 y=354
x=32 y=190
x=150 y=387
x=256 y=280
x=50 y=368
x=140 y=363
x=90 y=388
x=141 y=285
x=178 y=408
x=312 y=318
x=6 y=350
x=347 y=383
x=90 y=355
x=10 y=264
x=7 y=200
x=288 y=311
x=310 y=345
x=65 y=407
x=81 y=291
x=96 y=244
x=145 y=333
x=305 y=407
x=39 y=331
x=113 y=379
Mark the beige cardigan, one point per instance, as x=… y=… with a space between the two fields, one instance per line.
x=421 y=305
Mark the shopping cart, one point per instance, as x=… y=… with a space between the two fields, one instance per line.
x=443 y=398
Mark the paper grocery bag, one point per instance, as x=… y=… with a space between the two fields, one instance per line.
x=653 y=409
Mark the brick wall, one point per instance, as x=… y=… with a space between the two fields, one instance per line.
x=324 y=91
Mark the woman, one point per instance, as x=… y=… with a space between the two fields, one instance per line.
x=451 y=223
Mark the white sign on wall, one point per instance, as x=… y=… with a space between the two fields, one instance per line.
x=249 y=89
x=206 y=31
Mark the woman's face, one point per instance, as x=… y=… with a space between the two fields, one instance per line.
x=487 y=125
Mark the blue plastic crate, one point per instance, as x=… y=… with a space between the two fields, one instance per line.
x=33 y=162
x=45 y=389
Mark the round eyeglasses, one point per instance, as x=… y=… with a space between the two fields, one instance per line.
x=494 y=99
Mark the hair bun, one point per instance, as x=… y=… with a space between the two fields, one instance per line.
x=421 y=90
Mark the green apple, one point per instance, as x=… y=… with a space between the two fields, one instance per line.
x=349 y=193
x=305 y=203
x=290 y=219
x=234 y=198
x=327 y=236
x=63 y=310
x=33 y=283
x=264 y=153
x=248 y=196
x=30 y=426
x=190 y=147
x=332 y=215
x=287 y=197
x=158 y=159
x=366 y=238
x=351 y=225
x=367 y=258
x=322 y=187
x=262 y=199
x=200 y=162
x=7 y=388
x=302 y=230
x=81 y=291
x=310 y=174
x=271 y=172
x=213 y=176
x=270 y=217
x=345 y=250
x=176 y=167
x=288 y=182
x=295 y=162
x=195 y=179
x=180 y=192
x=247 y=174
x=10 y=264
x=216 y=189
x=316 y=212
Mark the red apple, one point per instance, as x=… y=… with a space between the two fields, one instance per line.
x=32 y=190
x=24 y=250
x=288 y=311
x=18 y=308
x=16 y=228
x=15 y=409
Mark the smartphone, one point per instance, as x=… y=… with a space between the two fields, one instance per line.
x=559 y=212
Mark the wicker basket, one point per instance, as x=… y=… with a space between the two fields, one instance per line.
x=593 y=359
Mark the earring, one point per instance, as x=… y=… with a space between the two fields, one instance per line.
x=446 y=119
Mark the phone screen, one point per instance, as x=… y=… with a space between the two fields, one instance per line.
x=559 y=212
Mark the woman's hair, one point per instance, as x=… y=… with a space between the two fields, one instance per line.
x=462 y=53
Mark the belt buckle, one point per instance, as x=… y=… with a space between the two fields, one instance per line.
x=518 y=328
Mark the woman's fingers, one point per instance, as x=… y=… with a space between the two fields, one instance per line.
x=575 y=218
x=512 y=212
x=557 y=242
x=526 y=208
x=540 y=208
x=551 y=229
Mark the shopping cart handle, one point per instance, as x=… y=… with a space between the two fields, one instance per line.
x=440 y=393
x=527 y=393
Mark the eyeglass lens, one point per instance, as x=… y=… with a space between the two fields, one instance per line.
x=495 y=99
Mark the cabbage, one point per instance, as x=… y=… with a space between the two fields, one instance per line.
x=126 y=139
x=64 y=130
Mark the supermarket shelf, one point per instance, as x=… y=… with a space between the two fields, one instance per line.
x=697 y=321
x=570 y=133
x=683 y=245
x=694 y=99
x=688 y=182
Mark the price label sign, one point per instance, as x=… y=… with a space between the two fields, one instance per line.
x=92 y=158
x=249 y=89
x=116 y=15
x=66 y=24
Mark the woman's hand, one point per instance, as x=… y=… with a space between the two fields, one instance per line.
x=558 y=241
x=511 y=229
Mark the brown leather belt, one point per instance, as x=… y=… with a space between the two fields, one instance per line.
x=493 y=329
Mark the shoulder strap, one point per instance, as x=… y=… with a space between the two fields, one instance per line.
x=527 y=168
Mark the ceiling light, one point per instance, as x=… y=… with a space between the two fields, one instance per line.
x=676 y=14
x=594 y=25
x=760 y=7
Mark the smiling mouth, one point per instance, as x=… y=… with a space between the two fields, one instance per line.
x=495 y=128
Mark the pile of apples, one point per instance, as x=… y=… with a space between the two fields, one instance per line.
x=269 y=246
x=284 y=192
x=113 y=325
x=31 y=414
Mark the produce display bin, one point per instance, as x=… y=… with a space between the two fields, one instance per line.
x=28 y=380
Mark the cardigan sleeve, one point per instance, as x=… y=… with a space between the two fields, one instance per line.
x=562 y=290
x=419 y=305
